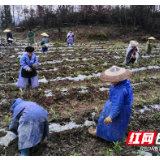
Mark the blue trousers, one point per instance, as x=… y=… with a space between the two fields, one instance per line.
x=25 y=152
x=44 y=49
x=69 y=43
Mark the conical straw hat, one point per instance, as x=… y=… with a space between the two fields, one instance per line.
x=45 y=35
x=151 y=38
x=134 y=43
x=6 y=30
x=115 y=74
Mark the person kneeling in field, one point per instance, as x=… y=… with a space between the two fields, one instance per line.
x=28 y=72
x=114 y=118
x=132 y=54
x=9 y=36
x=30 y=123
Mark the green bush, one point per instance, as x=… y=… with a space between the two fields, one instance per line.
x=57 y=44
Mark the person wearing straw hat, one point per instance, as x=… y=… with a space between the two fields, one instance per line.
x=149 y=45
x=132 y=54
x=30 y=123
x=114 y=118
x=30 y=36
x=44 y=42
x=28 y=73
x=9 y=36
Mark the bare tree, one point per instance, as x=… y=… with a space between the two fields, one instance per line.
x=6 y=17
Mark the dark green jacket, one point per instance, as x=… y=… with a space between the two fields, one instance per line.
x=30 y=37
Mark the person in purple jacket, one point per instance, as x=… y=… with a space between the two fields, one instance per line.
x=28 y=73
x=70 y=38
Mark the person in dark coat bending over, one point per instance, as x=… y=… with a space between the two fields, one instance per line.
x=9 y=35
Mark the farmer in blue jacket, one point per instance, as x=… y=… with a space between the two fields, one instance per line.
x=114 y=118
x=30 y=123
x=45 y=42
x=28 y=73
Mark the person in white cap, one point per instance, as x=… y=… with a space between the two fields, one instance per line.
x=114 y=118
x=132 y=54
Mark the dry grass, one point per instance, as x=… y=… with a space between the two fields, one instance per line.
x=81 y=32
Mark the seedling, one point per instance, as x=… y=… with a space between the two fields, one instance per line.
x=76 y=154
x=21 y=90
x=155 y=45
x=58 y=74
x=54 y=113
x=85 y=92
x=117 y=148
x=86 y=72
x=18 y=61
x=8 y=119
x=154 y=97
x=139 y=152
x=4 y=76
x=88 y=79
x=107 y=152
x=70 y=110
x=142 y=100
x=3 y=95
x=96 y=109
x=39 y=89
x=156 y=115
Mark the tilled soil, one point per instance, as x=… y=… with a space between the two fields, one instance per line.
x=79 y=98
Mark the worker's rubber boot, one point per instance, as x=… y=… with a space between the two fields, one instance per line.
x=92 y=131
x=25 y=152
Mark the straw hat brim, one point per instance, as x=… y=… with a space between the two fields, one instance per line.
x=45 y=35
x=134 y=43
x=7 y=30
x=108 y=76
x=151 y=38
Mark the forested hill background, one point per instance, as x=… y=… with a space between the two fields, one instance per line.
x=97 y=21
